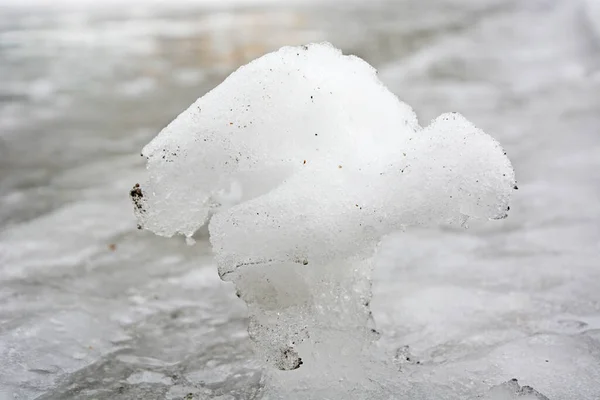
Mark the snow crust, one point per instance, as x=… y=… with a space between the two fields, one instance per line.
x=302 y=161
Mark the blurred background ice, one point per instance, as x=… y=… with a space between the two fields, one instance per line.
x=92 y=308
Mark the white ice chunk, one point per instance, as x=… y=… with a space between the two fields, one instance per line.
x=306 y=160
x=511 y=390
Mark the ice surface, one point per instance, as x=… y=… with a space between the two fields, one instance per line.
x=459 y=311
x=306 y=161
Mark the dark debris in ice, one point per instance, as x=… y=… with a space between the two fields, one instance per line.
x=137 y=196
x=288 y=360
x=404 y=357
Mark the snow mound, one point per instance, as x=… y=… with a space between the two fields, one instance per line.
x=305 y=160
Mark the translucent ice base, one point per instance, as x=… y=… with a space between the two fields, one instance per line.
x=305 y=161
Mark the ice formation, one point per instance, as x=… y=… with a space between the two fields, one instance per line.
x=511 y=390
x=302 y=160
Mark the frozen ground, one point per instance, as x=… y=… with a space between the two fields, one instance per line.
x=91 y=308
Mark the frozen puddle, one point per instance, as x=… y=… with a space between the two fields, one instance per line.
x=300 y=162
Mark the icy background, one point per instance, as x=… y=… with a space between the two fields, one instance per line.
x=92 y=308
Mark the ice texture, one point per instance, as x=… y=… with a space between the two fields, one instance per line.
x=303 y=160
x=511 y=390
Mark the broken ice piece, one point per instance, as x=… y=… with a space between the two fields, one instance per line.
x=305 y=160
x=511 y=390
